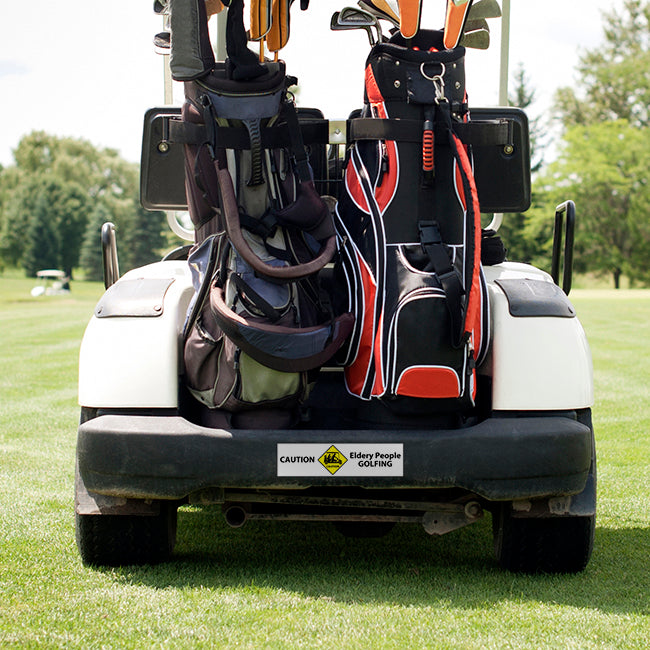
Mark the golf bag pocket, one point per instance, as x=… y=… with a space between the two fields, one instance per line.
x=419 y=360
x=262 y=322
x=401 y=347
x=221 y=376
x=250 y=343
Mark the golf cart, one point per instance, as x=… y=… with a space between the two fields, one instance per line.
x=494 y=416
x=51 y=282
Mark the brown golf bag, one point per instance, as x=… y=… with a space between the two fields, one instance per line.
x=262 y=323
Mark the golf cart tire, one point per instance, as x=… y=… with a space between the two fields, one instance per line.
x=117 y=540
x=546 y=545
x=121 y=539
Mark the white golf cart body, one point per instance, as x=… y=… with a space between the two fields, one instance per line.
x=537 y=362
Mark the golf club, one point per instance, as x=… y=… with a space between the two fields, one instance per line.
x=357 y=18
x=409 y=17
x=478 y=39
x=484 y=9
x=457 y=11
x=383 y=9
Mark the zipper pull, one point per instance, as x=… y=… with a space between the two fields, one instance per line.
x=428 y=142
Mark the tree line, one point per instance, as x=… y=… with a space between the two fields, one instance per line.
x=55 y=198
x=60 y=191
x=603 y=161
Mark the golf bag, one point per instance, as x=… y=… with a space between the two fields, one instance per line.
x=261 y=321
x=408 y=221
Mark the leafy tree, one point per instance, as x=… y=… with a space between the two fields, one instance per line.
x=41 y=246
x=100 y=172
x=58 y=211
x=613 y=79
x=604 y=167
x=144 y=239
x=67 y=211
x=520 y=238
x=610 y=105
x=91 y=259
x=19 y=204
x=79 y=177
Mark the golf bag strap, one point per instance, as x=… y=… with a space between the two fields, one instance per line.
x=263 y=227
x=255 y=135
x=214 y=251
x=313 y=131
x=480 y=133
x=300 y=158
x=449 y=278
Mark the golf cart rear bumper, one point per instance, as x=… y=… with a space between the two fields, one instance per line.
x=168 y=457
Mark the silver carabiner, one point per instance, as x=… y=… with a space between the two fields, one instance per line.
x=437 y=80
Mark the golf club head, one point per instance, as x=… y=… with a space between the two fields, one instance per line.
x=161 y=7
x=456 y=16
x=357 y=18
x=383 y=9
x=484 y=9
x=479 y=39
x=162 y=42
x=473 y=25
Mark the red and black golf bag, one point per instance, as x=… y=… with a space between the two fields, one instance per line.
x=408 y=221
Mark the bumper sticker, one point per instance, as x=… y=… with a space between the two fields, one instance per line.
x=341 y=459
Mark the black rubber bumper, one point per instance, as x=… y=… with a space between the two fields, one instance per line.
x=167 y=457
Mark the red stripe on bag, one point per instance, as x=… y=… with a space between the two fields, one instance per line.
x=353 y=186
x=357 y=371
x=372 y=89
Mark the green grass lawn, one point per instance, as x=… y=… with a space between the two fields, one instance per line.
x=295 y=585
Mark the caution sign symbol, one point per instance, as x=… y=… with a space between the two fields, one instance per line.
x=332 y=460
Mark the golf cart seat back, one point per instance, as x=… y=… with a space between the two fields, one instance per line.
x=502 y=174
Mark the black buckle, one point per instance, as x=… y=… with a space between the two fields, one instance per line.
x=268 y=224
x=429 y=233
x=263 y=226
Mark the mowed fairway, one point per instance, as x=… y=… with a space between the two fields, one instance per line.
x=300 y=585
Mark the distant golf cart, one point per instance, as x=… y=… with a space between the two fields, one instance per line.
x=412 y=424
x=51 y=282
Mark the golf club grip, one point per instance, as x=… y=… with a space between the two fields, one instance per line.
x=233 y=230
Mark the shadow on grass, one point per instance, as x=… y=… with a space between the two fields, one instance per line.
x=406 y=567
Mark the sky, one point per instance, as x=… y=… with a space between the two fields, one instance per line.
x=87 y=68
